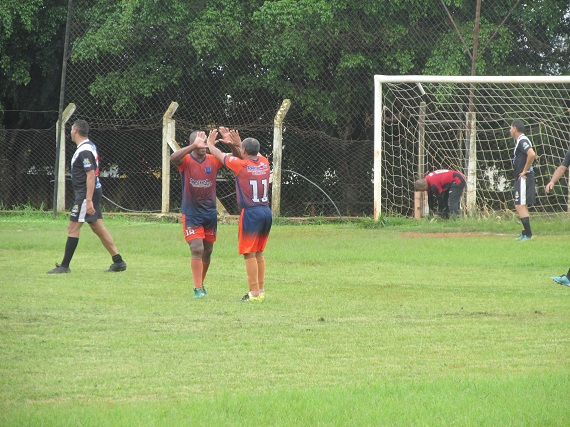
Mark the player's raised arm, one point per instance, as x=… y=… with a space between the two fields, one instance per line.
x=231 y=137
x=197 y=140
x=224 y=132
x=212 y=141
x=236 y=143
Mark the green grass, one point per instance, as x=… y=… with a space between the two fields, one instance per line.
x=363 y=325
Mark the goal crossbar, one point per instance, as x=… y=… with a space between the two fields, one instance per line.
x=472 y=79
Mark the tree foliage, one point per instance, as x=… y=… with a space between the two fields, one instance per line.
x=131 y=55
x=31 y=51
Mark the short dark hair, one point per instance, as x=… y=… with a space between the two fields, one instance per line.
x=518 y=125
x=192 y=136
x=250 y=146
x=420 y=184
x=82 y=127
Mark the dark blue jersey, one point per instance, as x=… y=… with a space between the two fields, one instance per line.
x=522 y=145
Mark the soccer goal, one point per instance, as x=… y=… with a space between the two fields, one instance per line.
x=425 y=123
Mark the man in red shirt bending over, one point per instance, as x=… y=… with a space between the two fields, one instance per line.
x=446 y=186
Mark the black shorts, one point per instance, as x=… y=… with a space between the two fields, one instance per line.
x=525 y=191
x=79 y=209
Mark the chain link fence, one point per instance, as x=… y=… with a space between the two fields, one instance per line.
x=232 y=64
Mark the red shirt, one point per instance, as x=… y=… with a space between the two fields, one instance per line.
x=440 y=180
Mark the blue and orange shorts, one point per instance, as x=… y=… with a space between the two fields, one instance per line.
x=199 y=228
x=253 y=229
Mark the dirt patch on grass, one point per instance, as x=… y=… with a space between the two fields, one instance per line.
x=446 y=235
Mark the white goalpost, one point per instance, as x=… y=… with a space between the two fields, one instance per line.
x=425 y=123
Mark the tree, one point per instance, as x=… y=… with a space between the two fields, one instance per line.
x=31 y=51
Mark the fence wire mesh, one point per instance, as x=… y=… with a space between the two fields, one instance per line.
x=232 y=63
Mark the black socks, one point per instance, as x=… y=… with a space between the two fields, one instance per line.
x=526 y=226
x=70 y=247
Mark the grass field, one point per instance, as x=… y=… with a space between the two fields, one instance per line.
x=408 y=324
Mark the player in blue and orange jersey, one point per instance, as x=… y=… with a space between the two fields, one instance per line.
x=198 y=171
x=252 y=173
x=446 y=186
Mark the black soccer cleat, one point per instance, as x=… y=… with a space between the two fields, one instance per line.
x=116 y=267
x=59 y=269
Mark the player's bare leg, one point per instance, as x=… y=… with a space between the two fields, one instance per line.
x=522 y=210
x=196 y=265
x=252 y=274
x=101 y=231
x=260 y=271
x=206 y=256
x=74 y=229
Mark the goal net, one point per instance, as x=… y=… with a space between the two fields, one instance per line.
x=425 y=123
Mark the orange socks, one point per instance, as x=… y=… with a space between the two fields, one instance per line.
x=252 y=276
x=205 y=266
x=261 y=272
x=197 y=269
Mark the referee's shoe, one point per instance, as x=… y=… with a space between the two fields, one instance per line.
x=116 y=267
